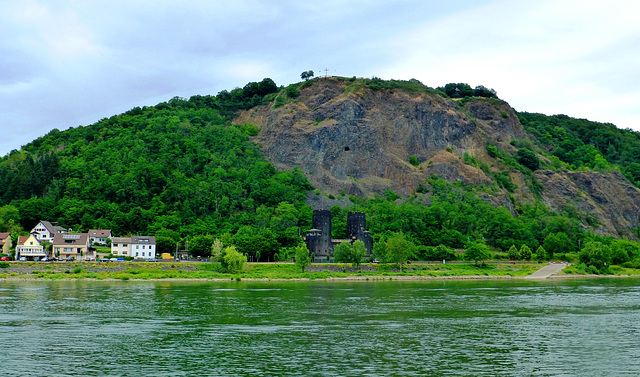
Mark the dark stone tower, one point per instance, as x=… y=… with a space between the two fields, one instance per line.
x=356 y=223
x=356 y=230
x=319 y=238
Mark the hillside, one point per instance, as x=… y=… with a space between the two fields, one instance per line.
x=349 y=138
x=249 y=165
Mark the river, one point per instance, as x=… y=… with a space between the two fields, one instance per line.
x=580 y=327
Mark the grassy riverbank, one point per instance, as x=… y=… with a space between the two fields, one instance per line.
x=284 y=271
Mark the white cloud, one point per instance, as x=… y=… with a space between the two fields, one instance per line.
x=540 y=56
x=69 y=62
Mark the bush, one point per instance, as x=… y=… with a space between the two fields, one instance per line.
x=232 y=260
x=280 y=100
x=4 y=264
x=528 y=158
x=597 y=255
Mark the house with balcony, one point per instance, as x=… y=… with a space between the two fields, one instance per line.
x=138 y=247
x=46 y=231
x=5 y=243
x=29 y=247
x=73 y=245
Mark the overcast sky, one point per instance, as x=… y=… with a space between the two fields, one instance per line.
x=66 y=63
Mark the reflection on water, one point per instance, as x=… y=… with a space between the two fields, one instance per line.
x=439 y=328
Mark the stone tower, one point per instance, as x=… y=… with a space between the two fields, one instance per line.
x=356 y=223
x=319 y=238
x=356 y=230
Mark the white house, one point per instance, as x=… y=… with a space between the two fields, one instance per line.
x=138 y=247
x=99 y=236
x=46 y=231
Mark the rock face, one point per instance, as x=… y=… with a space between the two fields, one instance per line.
x=607 y=197
x=362 y=141
x=352 y=138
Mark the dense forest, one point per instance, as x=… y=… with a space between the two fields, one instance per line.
x=182 y=171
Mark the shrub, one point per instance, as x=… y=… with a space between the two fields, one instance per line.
x=4 y=264
x=528 y=158
x=232 y=260
x=280 y=100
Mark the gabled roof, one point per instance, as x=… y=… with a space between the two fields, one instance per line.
x=52 y=228
x=71 y=239
x=100 y=233
x=143 y=240
x=4 y=236
x=23 y=239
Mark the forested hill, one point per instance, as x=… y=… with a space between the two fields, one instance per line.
x=202 y=168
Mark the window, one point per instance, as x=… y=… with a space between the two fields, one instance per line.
x=137 y=246
x=136 y=253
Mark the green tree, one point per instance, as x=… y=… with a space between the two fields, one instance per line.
x=528 y=158
x=557 y=243
x=306 y=75
x=478 y=252
x=302 y=257
x=399 y=248
x=624 y=250
x=359 y=252
x=216 y=250
x=596 y=254
x=201 y=245
x=165 y=245
x=380 y=251
x=513 y=252
x=525 y=252
x=232 y=260
x=342 y=252
x=541 y=254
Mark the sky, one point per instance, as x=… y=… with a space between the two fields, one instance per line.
x=66 y=63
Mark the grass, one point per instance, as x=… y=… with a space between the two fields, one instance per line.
x=267 y=271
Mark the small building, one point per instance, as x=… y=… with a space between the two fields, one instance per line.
x=73 y=245
x=46 y=231
x=5 y=243
x=29 y=247
x=121 y=246
x=99 y=236
x=138 y=247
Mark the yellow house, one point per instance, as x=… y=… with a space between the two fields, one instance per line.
x=29 y=247
x=5 y=243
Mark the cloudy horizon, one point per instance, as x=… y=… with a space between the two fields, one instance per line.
x=68 y=63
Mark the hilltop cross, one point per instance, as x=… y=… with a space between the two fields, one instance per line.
x=325 y=72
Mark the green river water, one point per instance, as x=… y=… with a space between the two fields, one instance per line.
x=318 y=328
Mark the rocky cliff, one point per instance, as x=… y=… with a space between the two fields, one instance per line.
x=350 y=138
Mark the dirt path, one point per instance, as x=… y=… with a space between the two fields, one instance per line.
x=546 y=271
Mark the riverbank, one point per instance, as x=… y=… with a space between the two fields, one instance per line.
x=257 y=271
x=203 y=271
